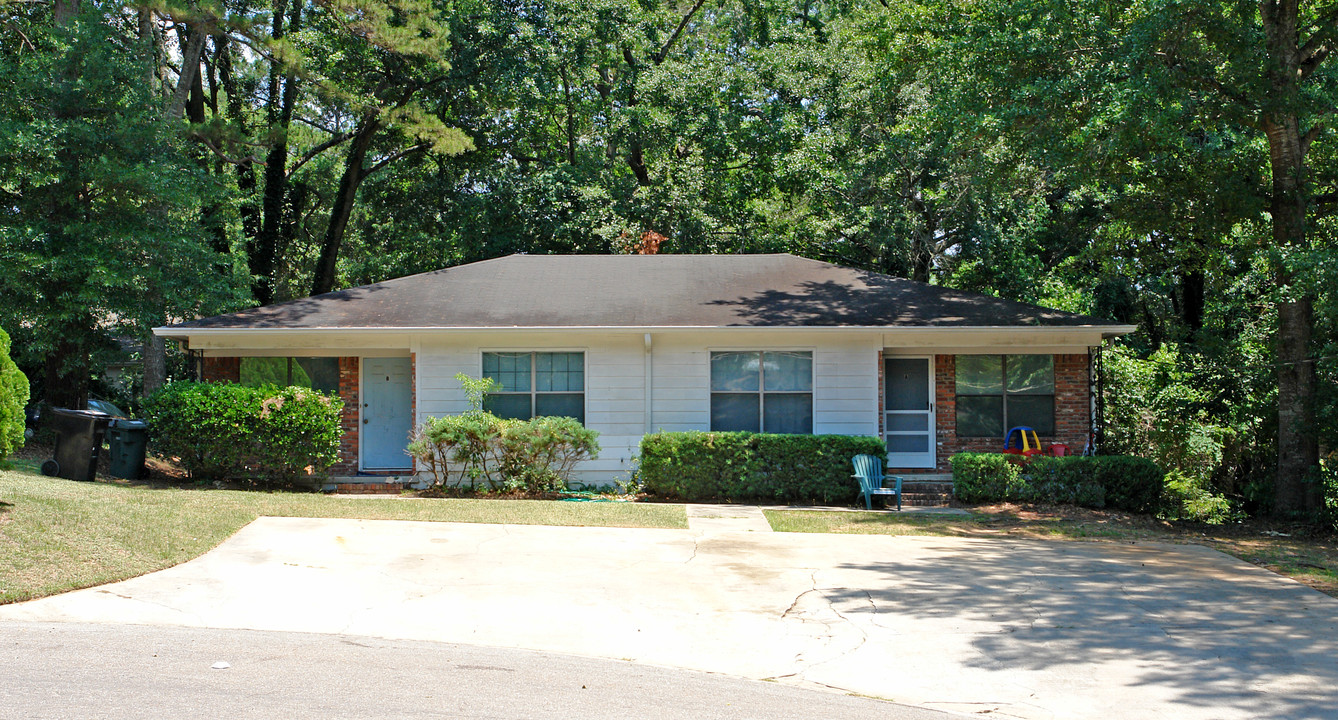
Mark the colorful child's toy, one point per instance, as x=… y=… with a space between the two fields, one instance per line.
x=1024 y=448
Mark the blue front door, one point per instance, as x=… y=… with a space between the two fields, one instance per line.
x=387 y=415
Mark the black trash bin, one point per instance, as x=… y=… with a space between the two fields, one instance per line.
x=126 y=440
x=79 y=436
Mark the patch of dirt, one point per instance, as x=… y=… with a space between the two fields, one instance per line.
x=466 y=493
x=158 y=471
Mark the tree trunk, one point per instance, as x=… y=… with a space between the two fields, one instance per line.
x=190 y=70
x=155 y=363
x=1294 y=491
x=66 y=386
x=247 y=211
x=324 y=280
x=64 y=370
x=1193 y=296
x=62 y=14
x=262 y=255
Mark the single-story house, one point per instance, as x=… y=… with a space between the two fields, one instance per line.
x=633 y=344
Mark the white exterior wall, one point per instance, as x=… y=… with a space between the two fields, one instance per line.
x=614 y=386
x=845 y=384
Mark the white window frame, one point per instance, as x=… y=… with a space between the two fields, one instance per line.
x=761 y=384
x=585 y=375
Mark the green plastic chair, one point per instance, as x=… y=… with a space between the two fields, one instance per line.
x=869 y=470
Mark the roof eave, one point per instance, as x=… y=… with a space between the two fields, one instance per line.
x=179 y=333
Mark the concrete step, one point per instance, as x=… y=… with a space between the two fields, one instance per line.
x=925 y=499
x=918 y=486
x=370 y=488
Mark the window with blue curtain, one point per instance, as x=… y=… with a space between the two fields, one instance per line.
x=536 y=384
x=762 y=391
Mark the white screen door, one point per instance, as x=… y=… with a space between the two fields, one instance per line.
x=909 y=405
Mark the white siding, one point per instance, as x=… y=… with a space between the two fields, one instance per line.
x=614 y=386
x=845 y=386
x=845 y=377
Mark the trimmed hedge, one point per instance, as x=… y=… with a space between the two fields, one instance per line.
x=1120 y=481
x=754 y=466
x=223 y=430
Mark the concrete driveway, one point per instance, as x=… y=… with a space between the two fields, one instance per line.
x=1014 y=628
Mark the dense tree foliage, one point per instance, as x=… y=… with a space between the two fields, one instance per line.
x=1168 y=165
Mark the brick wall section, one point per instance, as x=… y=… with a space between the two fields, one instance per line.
x=1071 y=410
x=348 y=443
x=221 y=369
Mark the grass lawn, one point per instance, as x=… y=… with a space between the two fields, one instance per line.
x=1282 y=549
x=58 y=535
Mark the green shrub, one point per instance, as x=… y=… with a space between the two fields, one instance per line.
x=224 y=431
x=1328 y=476
x=13 y=398
x=540 y=455
x=753 y=466
x=466 y=441
x=299 y=431
x=1131 y=483
x=1120 y=481
x=1188 y=498
x=536 y=455
x=1062 y=481
x=696 y=465
x=985 y=477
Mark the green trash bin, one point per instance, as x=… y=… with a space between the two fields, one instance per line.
x=126 y=440
x=79 y=436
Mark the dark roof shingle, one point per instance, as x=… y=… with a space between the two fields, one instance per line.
x=646 y=291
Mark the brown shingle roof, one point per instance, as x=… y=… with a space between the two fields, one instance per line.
x=646 y=291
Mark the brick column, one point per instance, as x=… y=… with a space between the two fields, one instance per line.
x=945 y=410
x=348 y=442
x=1072 y=401
x=221 y=369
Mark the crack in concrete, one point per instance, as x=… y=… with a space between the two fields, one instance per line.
x=506 y=532
x=165 y=606
x=696 y=544
x=829 y=636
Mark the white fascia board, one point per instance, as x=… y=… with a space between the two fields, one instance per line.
x=397 y=341
x=182 y=334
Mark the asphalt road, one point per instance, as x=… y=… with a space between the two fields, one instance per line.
x=124 y=671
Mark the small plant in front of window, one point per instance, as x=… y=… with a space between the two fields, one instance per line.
x=476 y=389
x=499 y=454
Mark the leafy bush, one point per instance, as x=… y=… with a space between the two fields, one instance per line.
x=222 y=430
x=536 y=455
x=1168 y=407
x=754 y=466
x=465 y=441
x=1188 y=498
x=1120 y=481
x=1328 y=475
x=1131 y=483
x=13 y=398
